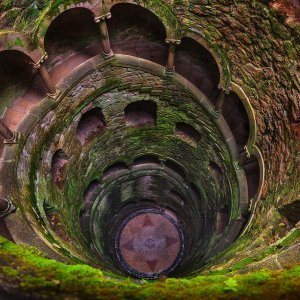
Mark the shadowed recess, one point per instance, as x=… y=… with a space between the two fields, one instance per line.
x=141 y=114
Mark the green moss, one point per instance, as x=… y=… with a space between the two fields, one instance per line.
x=19 y=42
x=242 y=263
x=9 y=271
x=28 y=272
x=6 y=4
x=163 y=11
x=177 y=2
x=279 y=29
x=290 y=50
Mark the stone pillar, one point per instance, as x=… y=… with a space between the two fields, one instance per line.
x=243 y=157
x=221 y=99
x=7 y=134
x=107 y=52
x=170 y=68
x=45 y=76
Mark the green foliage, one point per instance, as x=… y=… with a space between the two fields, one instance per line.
x=19 y=42
x=27 y=271
x=242 y=263
x=6 y=4
x=231 y=285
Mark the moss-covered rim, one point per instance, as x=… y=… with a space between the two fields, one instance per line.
x=28 y=273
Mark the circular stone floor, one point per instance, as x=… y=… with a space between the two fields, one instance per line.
x=149 y=244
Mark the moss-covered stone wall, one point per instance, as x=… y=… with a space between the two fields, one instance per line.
x=260 y=52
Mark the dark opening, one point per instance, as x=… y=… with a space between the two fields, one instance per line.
x=222 y=219
x=197 y=65
x=195 y=192
x=187 y=133
x=141 y=113
x=88 y=195
x=291 y=211
x=112 y=169
x=136 y=31
x=4 y=231
x=175 y=167
x=236 y=117
x=216 y=172
x=59 y=167
x=72 y=38
x=19 y=82
x=146 y=159
x=251 y=168
x=91 y=124
x=177 y=197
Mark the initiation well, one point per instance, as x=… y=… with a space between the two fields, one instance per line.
x=131 y=144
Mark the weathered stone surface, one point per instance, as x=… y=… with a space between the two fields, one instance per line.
x=258 y=49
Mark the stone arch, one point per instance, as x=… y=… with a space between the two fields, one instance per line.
x=59 y=167
x=250 y=112
x=223 y=65
x=236 y=116
x=141 y=113
x=61 y=40
x=160 y=9
x=187 y=133
x=13 y=40
x=137 y=31
x=112 y=169
x=255 y=151
x=199 y=66
x=47 y=19
x=92 y=124
x=15 y=72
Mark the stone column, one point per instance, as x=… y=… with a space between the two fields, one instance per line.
x=107 y=52
x=170 y=68
x=7 y=134
x=243 y=157
x=45 y=75
x=221 y=99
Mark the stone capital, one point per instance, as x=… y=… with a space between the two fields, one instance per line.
x=173 y=41
x=102 y=17
x=223 y=89
x=38 y=64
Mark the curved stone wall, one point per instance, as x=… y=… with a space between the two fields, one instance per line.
x=61 y=166
x=226 y=132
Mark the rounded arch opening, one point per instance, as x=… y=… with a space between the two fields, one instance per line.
x=235 y=114
x=188 y=133
x=113 y=169
x=146 y=159
x=21 y=88
x=217 y=172
x=15 y=75
x=136 y=31
x=252 y=171
x=72 y=38
x=59 y=167
x=91 y=124
x=141 y=113
x=195 y=63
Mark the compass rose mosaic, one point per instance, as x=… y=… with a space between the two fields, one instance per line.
x=150 y=243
